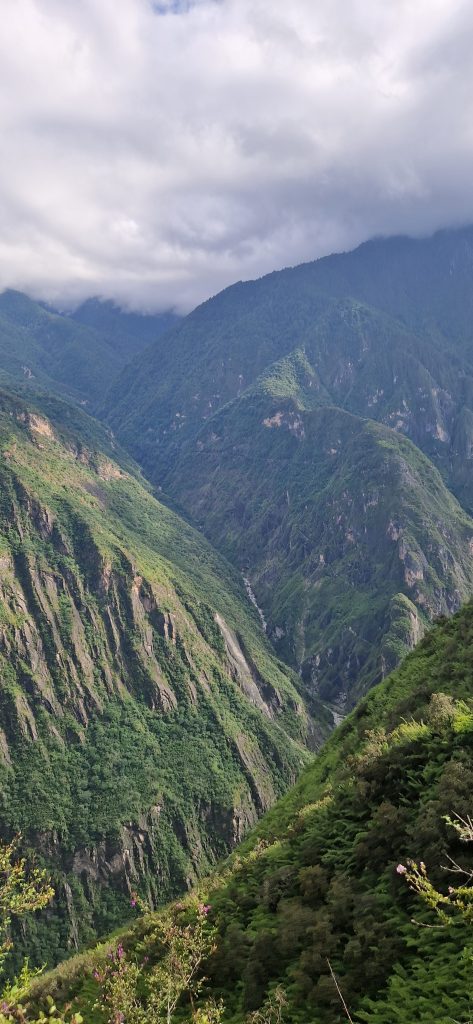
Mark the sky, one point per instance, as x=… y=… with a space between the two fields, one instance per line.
x=155 y=151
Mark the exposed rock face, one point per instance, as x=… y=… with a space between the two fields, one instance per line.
x=144 y=723
x=255 y=443
x=261 y=694
x=350 y=539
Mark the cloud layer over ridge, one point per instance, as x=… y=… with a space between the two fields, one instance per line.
x=153 y=152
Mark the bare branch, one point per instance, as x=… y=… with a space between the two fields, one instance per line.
x=337 y=986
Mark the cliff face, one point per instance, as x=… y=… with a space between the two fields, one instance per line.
x=350 y=539
x=144 y=722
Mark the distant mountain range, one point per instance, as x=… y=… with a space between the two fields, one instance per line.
x=298 y=420
x=78 y=355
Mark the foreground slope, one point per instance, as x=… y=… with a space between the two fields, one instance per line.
x=317 y=878
x=144 y=721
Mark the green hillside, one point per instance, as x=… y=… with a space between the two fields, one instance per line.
x=258 y=413
x=419 y=354
x=144 y=720
x=286 y=501
x=347 y=533
x=317 y=427
x=77 y=356
x=127 y=333
x=317 y=880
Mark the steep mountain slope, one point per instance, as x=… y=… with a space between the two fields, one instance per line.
x=348 y=535
x=226 y=416
x=317 y=880
x=225 y=344
x=78 y=356
x=127 y=333
x=144 y=721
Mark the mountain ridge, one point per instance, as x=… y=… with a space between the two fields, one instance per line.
x=189 y=402
x=74 y=355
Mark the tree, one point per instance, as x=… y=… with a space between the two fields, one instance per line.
x=437 y=982
x=22 y=891
x=138 y=996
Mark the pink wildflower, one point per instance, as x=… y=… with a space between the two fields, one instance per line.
x=204 y=908
x=401 y=869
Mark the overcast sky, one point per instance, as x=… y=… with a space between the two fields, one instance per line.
x=153 y=152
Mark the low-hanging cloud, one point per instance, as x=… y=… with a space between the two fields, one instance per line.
x=153 y=152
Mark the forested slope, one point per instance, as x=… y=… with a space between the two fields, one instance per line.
x=318 y=878
x=277 y=416
x=144 y=720
x=350 y=538
x=76 y=355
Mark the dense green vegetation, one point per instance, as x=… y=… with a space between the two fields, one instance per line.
x=144 y=720
x=387 y=324
x=351 y=540
x=242 y=416
x=317 y=427
x=317 y=879
x=79 y=355
x=125 y=332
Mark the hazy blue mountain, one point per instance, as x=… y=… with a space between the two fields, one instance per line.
x=127 y=333
x=77 y=356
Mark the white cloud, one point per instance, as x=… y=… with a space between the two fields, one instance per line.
x=154 y=151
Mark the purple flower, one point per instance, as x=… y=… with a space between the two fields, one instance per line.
x=204 y=908
x=133 y=902
x=401 y=869
x=120 y=952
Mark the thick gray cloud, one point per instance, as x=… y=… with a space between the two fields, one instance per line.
x=154 y=151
